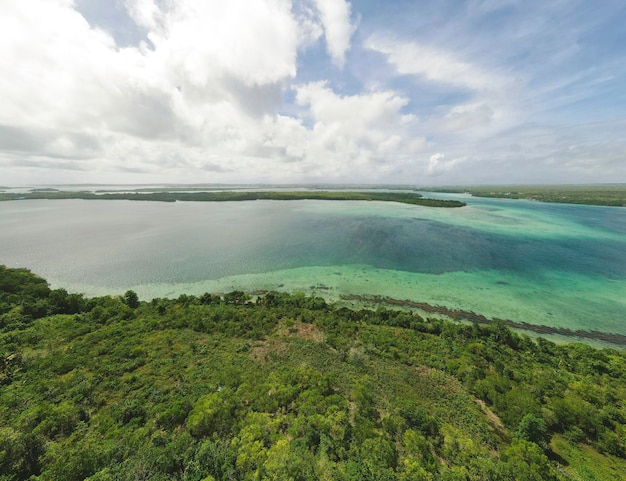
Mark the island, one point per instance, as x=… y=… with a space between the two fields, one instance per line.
x=412 y=198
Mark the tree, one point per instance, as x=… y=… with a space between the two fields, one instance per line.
x=131 y=299
x=236 y=297
x=212 y=413
x=532 y=428
x=525 y=462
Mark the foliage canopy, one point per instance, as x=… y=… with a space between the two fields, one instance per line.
x=286 y=387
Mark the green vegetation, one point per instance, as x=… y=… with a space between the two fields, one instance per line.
x=461 y=315
x=609 y=194
x=222 y=196
x=286 y=387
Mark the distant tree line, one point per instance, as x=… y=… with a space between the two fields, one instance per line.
x=224 y=196
x=613 y=195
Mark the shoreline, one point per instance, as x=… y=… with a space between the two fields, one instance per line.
x=363 y=298
x=459 y=315
x=462 y=315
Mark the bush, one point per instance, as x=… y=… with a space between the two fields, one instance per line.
x=532 y=428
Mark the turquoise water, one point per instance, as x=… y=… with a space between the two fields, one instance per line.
x=551 y=264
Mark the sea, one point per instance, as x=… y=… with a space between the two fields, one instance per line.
x=546 y=264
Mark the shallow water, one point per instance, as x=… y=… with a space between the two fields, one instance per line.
x=551 y=264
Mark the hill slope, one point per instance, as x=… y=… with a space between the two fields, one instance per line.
x=288 y=388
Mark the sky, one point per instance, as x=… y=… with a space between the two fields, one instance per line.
x=422 y=92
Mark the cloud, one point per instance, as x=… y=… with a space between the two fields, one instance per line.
x=592 y=152
x=211 y=71
x=145 y=13
x=366 y=131
x=479 y=101
x=50 y=58
x=467 y=116
x=208 y=52
x=437 y=165
x=200 y=98
x=241 y=91
x=254 y=41
x=435 y=64
x=335 y=15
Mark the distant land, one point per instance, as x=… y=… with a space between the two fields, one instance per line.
x=222 y=196
x=595 y=194
x=613 y=195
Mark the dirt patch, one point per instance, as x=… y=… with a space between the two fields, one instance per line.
x=260 y=352
x=301 y=330
x=494 y=420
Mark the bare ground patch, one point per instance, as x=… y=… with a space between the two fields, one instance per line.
x=493 y=418
x=260 y=352
x=301 y=330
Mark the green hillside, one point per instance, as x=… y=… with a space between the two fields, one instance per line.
x=286 y=387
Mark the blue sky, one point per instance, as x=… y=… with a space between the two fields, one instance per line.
x=248 y=91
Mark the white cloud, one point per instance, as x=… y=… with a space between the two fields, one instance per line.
x=253 y=41
x=353 y=112
x=489 y=102
x=467 y=116
x=145 y=13
x=310 y=28
x=50 y=58
x=335 y=16
x=359 y=135
x=200 y=100
x=437 y=165
x=212 y=71
x=435 y=64
x=218 y=92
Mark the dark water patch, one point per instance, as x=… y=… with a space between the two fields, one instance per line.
x=416 y=245
x=609 y=219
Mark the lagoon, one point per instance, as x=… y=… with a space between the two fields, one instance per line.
x=549 y=264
